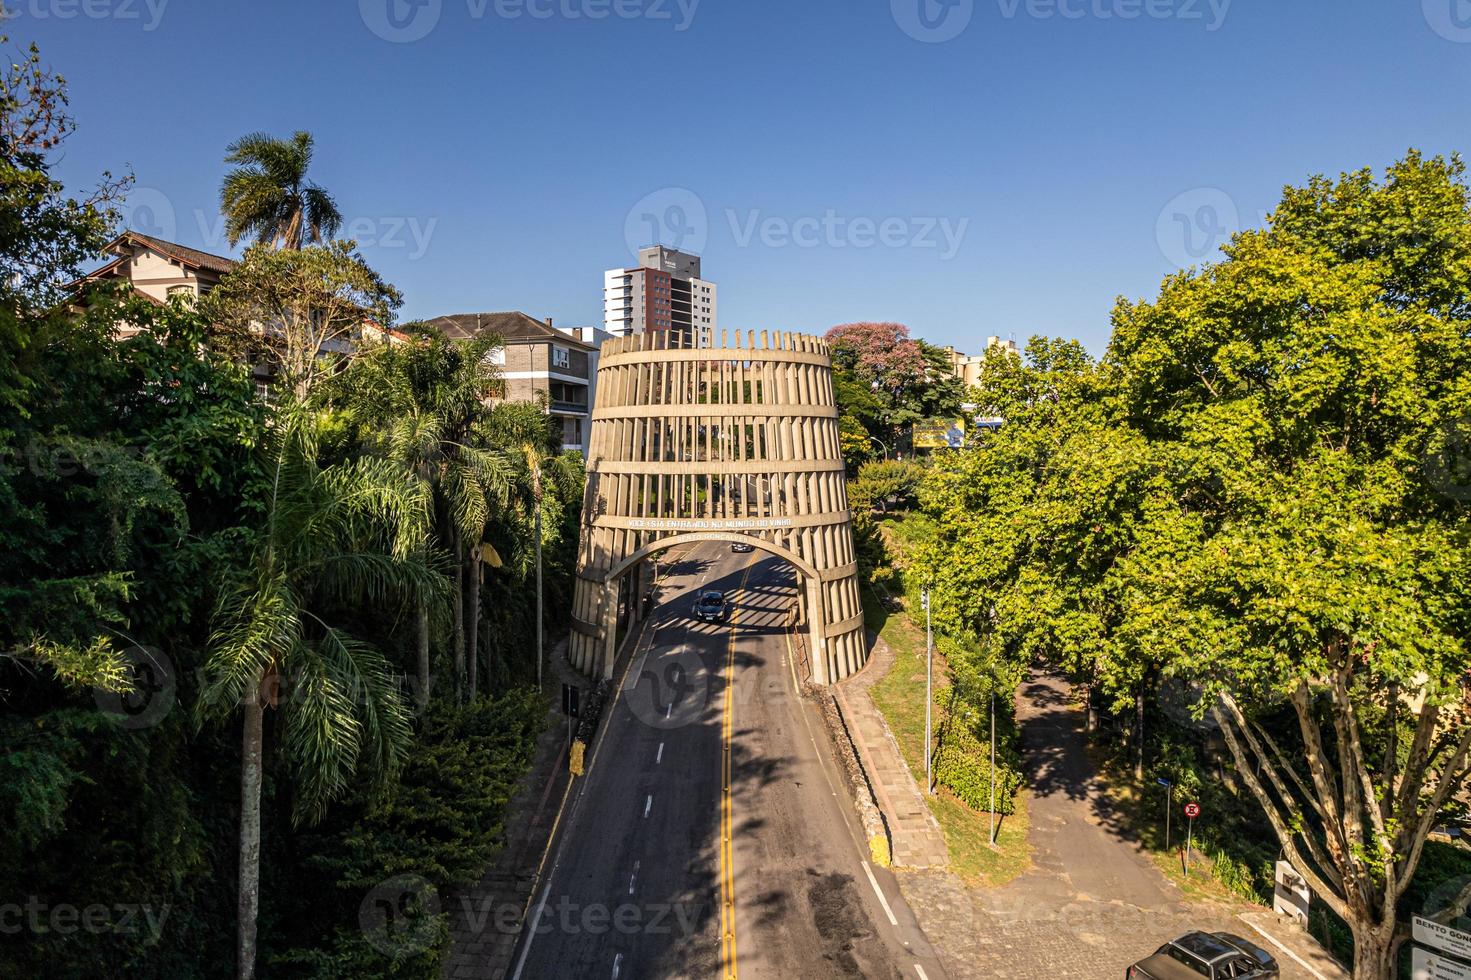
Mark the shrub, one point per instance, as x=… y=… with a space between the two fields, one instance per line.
x=962 y=761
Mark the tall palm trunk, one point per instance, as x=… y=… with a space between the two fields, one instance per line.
x=472 y=621
x=459 y=615
x=423 y=644
x=252 y=738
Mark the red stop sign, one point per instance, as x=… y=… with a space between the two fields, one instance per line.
x=1192 y=810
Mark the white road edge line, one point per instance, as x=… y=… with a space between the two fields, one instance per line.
x=632 y=878
x=917 y=969
x=617 y=965
x=648 y=802
x=879 y=892
x=1276 y=942
x=660 y=757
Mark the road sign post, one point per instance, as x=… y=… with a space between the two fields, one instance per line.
x=1192 y=810
x=1169 y=805
x=929 y=698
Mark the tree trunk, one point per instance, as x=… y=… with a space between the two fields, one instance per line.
x=423 y=645
x=472 y=622
x=251 y=741
x=459 y=615
x=1373 y=954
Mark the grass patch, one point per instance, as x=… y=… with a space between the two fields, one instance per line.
x=899 y=695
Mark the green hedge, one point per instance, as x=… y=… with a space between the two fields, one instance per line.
x=963 y=761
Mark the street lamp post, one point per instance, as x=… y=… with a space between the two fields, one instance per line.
x=993 y=761
x=929 y=698
x=880 y=445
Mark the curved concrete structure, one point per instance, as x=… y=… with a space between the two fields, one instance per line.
x=730 y=443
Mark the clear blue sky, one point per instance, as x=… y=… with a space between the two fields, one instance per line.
x=498 y=161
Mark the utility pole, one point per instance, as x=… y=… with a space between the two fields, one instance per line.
x=993 y=761
x=929 y=698
x=538 y=592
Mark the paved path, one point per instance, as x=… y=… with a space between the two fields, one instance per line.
x=1092 y=903
x=918 y=841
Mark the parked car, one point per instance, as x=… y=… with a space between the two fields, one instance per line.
x=1212 y=955
x=741 y=548
x=711 y=607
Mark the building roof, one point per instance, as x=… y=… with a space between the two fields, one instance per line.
x=182 y=254
x=514 y=327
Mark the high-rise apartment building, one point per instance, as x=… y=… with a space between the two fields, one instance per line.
x=664 y=292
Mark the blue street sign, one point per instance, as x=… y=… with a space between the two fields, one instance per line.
x=1163 y=781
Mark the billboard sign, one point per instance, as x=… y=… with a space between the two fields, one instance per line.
x=940 y=434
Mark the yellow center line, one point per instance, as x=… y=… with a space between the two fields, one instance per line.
x=727 y=845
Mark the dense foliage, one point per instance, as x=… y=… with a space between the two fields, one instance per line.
x=201 y=592
x=1257 y=502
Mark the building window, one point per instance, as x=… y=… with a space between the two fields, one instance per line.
x=561 y=357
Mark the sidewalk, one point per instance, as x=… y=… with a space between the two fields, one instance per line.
x=918 y=841
x=485 y=920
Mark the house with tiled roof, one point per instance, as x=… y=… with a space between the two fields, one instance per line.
x=538 y=362
x=158 y=269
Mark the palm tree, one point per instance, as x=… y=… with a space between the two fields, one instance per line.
x=268 y=197
x=525 y=428
x=334 y=537
x=423 y=402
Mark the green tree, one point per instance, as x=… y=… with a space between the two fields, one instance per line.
x=331 y=538
x=300 y=311
x=1306 y=399
x=268 y=198
x=422 y=405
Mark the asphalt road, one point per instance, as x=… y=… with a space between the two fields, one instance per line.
x=641 y=882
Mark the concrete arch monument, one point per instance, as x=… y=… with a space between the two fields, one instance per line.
x=730 y=443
